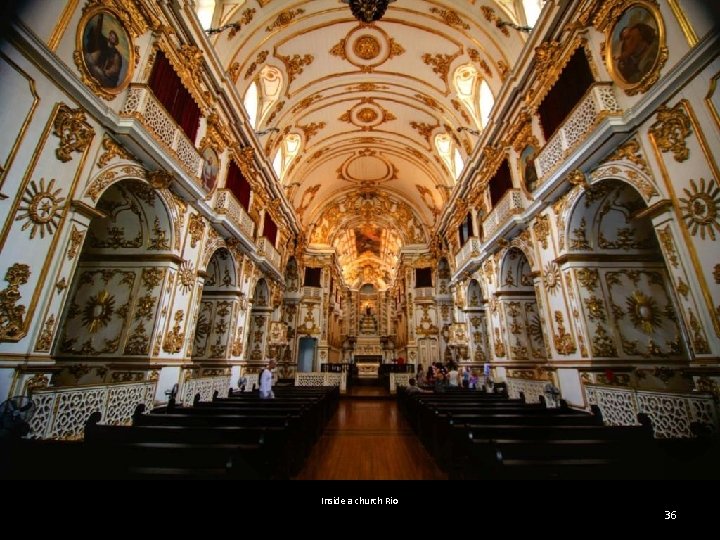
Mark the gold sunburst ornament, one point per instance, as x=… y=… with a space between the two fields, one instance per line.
x=98 y=311
x=643 y=312
x=701 y=208
x=40 y=208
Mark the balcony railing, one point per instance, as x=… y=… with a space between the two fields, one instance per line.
x=267 y=250
x=142 y=104
x=424 y=292
x=598 y=103
x=510 y=205
x=312 y=292
x=226 y=204
x=470 y=249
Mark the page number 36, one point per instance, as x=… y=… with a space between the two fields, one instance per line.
x=670 y=514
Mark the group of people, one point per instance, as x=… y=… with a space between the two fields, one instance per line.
x=437 y=377
x=265 y=380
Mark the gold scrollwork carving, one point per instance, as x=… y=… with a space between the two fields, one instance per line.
x=541 y=228
x=112 y=150
x=701 y=208
x=45 y=338
x=11 y=314
x=174 y=339
x=75 y=134
x=563 y=341
x=670 y=130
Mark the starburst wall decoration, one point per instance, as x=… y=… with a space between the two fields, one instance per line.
x=40 y=208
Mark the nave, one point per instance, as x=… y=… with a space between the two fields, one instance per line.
x=368 y=439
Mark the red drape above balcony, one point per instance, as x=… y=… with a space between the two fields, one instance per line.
x=238 y=185
x=269 y=229
x=169 y=91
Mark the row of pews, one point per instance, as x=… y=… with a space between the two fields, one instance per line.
x=476 y=435
x=238 y=437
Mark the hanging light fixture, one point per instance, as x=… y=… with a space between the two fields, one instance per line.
x=368 y=11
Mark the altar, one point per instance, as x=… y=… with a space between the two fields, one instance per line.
x=368 y=366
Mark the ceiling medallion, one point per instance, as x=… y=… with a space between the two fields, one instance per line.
x=368 y=11
x=367 y=115
x=366 y=47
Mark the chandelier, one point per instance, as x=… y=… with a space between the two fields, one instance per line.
x=368 y=11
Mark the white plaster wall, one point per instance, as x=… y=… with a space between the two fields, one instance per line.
x=168 y=377
x=500 y=374
x=570 y=387
x=234 y=376
x=6 y=378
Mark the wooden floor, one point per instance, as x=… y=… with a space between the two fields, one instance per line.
x=369 y=440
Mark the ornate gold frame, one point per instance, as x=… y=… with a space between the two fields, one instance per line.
x=87 y=78
x=708 y=98
x=653 y=74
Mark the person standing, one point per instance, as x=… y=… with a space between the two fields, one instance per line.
x=266 y=391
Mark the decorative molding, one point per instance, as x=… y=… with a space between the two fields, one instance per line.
x=12 y=313
x=75 y=134
x=671 y=129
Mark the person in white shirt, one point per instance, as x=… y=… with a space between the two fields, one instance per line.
x=266 y=381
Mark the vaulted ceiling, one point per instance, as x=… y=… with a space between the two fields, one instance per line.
x=367 y=102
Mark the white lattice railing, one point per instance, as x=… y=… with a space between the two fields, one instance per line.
x=142 y=104
x=532 y=390
x=267 y=250
x=424 y=292
x=399 y=379
x=510 y=205
x=470 y=249
x=322 y=379
x=61 y=413
x=596 y=104
x=670 y=414
x=226 y=204
x=312 y=292
x=205 y=386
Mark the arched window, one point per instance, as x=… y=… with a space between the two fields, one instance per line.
x=450 y=154
x=251 y=103
x=487 y=100
x=270 y=83
x=205 y=12
x=466 y=83
x=288 y=150
x=532 y=10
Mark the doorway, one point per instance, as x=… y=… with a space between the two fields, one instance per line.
x=306 y=355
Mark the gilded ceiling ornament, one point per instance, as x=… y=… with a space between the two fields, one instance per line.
x=366 y=87
x=259 y=61
x=643 y=312
x=40 y=208
x=701 y=208
x=670 y=130
x=491 y=16
x=552 y=277
x=450 y=18
x=503 y=69
x=112 y=150
x=245 y=19
x=366 y=47
x=311 y=129
x=98 y=311
x=306 y=102
x=294 y=66
x=440 y=63
x=284 y=18
x=630 y=151
x=424 y=129
x=307 y=199
x=75 y=134
x=546 y=54
x=278 y=108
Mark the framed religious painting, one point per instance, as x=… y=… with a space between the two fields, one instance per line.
x=635 y=48
x=527 y=167
x=210 y=168
x=104 y=52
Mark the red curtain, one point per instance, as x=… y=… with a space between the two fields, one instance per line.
x=169 y=91
x=559 y=102
x=500 y=183
x=238 y=185
x=269 y=229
